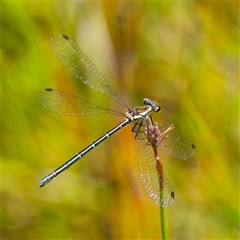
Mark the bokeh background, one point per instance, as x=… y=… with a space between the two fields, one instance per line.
x=183 y=54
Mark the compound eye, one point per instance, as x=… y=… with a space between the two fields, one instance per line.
x=157 y=109
x=146 y=101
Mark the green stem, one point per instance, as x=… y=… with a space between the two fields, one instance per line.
x=163 y=218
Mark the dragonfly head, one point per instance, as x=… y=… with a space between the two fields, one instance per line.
x=153 y=104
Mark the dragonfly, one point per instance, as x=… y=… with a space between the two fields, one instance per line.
x=148 y=166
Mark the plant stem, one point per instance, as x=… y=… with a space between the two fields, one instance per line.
x=163 y=218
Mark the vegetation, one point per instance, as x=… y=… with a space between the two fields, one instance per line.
x=183 y=54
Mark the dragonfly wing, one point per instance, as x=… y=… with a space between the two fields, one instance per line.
x=68 y=104
x=80 y=66
x=156 y=185
x=176 y=145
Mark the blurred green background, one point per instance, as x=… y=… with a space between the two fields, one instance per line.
x=183 y=54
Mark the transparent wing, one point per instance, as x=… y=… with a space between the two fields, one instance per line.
x=171 y=143
x=151 y=174
x=176 y=145
x=80 y=66
x=68 y=104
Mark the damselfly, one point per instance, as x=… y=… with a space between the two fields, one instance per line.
x=154 y=181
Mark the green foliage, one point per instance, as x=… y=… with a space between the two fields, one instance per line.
x=185 y=55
